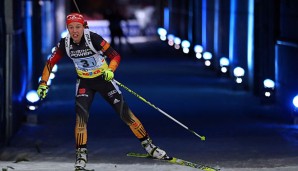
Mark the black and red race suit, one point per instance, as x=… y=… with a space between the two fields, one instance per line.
x=90 y=60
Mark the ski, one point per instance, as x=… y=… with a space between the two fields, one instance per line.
x=175 y=160
x=83 y=169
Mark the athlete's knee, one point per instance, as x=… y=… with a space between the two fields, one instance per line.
x=126 y=115
x=82 y=112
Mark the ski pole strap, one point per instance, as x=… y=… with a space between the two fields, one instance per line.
x=161 y=111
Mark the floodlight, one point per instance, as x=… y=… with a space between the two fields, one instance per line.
x=295 y=101
x=224 y=62
x=239 y=72
x=185 y=44
x=268 y=83
x=198 y=48
x=207 y=55
x=162 y=32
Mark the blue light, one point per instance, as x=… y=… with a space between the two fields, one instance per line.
x=204 y=23
x=207 y=55
x=53 y=49
x=224 y=69
x=185 y=44
x=239 y=80
x=250 y=38
x=232 y=29
x=49 y=82
x=166 y=21
x=198 y=48
x=239 y=72
x=224 y=61
x=177 y=40
x=64 y=34
x=276 y=64
x=198 y=55
x=295 y=101
x=268 y=83
x=52 y=76
x=163 y=38
x=29 y=37
x=216 y=25
x=190 y=21
x=49 y=56
x=162 y=31
x=32 y=96
x=171 y=37
x=186 y=50
x=55 y=68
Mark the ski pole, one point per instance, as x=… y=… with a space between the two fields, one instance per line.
x=77 y=7
x=161 y=111
x=74 y=1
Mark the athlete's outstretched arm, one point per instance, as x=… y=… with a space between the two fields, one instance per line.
x=55 y=57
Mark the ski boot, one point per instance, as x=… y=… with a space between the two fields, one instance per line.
x=153 y=150
x=81 y=159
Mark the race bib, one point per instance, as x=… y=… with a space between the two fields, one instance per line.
x=88 y=62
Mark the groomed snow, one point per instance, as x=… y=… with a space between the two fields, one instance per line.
x=66 y=166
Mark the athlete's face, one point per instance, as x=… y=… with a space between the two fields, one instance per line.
x=76 y=31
